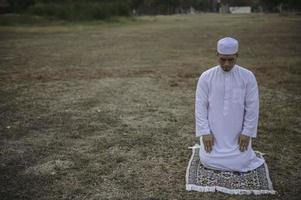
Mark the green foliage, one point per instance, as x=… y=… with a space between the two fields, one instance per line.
x=18 y=6
x=287 y=4
x=102 y=9
x=80 y=10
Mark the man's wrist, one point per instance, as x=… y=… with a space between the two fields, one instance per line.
x=248 y=133
x=203 y=132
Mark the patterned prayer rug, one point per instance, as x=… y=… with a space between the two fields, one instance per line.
x=201 y=179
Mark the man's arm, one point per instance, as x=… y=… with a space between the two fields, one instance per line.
x=251 y=109
x=250 y=121
x=201 y=107
x=201 y=114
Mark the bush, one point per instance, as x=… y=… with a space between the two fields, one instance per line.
x=80 y=10
x=18 y=6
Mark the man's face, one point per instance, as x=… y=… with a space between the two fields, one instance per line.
x=227 y=62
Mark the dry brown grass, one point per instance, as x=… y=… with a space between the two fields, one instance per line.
x=107 y=111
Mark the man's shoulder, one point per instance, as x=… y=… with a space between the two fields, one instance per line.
x=209 y=71
x=246 y=73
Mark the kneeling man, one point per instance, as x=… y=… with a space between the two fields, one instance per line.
x=226 y=113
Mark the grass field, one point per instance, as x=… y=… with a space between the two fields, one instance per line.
x=106 y=110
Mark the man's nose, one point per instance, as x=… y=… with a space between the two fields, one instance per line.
x=227 y=63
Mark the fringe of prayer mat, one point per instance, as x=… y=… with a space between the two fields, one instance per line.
x=191 y=186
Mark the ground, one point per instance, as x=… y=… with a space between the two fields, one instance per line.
x=106 y=110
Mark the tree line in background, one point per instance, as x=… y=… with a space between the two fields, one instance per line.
x=102 y=9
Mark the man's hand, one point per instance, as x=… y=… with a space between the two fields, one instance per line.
x=208 y=141
x=243 y=142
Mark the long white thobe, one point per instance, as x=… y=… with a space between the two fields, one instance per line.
x=227 y=104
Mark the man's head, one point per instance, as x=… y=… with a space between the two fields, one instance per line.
x=227 y=52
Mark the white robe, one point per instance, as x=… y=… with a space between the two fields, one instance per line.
x=227 y=104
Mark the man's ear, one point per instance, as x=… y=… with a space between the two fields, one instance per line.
x=217 y=54
x=236 y=55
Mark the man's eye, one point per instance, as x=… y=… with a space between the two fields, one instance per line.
x=229 y=60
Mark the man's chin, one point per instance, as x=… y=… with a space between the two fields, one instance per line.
x=226 y=69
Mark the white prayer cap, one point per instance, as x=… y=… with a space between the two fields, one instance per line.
x=227 y=46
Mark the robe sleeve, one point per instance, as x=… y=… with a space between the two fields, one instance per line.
x=201 y=107
x=251 y=108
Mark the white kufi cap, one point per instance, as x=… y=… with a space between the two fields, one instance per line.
x=227 y=46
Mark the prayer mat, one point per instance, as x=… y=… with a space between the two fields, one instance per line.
x=201 y=179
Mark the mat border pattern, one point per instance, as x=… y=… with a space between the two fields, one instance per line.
x=193 y=187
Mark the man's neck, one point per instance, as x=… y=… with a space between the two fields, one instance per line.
x=227 y=70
